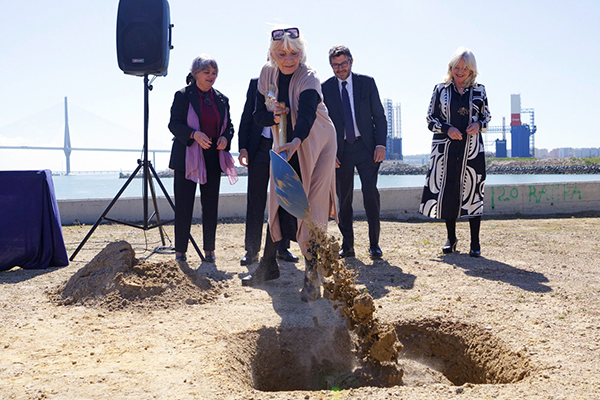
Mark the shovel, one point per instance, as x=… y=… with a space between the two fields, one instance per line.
x=288 y=187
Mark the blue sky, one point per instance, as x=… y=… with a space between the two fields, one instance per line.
x=548 y=51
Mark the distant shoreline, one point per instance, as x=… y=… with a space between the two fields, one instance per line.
x=559 y=166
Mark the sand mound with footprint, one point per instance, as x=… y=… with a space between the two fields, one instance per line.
x=115 y=280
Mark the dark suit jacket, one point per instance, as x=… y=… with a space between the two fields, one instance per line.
x=368 y=111
x=180 y=129
x=249 y=133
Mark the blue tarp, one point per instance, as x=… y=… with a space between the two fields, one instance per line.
x=30 y=229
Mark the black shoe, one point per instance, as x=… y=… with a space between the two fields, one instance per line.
x=249 y=258
x=375 y=252
x=262 y=274
x=287 y=256
x=475 y=253
x=211 y=259
x=449 y=247
x=181 y=257
x=347 y=253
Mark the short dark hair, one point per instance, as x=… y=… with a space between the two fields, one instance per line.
x=339 y=50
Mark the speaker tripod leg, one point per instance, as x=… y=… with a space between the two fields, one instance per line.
x=156 y=177
x=156 y=213
x=110 y=206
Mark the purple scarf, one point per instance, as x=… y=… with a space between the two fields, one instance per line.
x=195 y=168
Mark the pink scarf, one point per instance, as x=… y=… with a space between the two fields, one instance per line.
x=195 y=168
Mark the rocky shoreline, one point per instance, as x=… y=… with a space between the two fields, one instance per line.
x=556 y=166
x=559 y=166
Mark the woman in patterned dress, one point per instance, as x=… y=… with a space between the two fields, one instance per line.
x=458 y=114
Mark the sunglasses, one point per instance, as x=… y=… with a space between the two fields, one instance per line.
x=278 y=34
x=206 y=99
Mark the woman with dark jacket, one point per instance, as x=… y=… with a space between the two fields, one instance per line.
x=458 y=114
x=202 y=131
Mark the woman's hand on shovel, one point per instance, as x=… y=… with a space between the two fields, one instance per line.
x=279 y=111
x=289 y=148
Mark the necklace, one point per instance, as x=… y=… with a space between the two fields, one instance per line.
x=206 y=98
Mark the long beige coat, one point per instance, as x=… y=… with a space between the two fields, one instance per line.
x=316 y=154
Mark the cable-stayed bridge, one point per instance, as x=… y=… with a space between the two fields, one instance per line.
x=71 y=129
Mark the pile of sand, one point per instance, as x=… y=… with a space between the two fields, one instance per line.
x=115 y=279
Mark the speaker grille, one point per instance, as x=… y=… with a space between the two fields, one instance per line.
x=143 y=37
x=141 y=41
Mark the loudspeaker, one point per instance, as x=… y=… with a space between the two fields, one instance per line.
x=143 y=37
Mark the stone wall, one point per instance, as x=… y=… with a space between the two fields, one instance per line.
x=400 y=203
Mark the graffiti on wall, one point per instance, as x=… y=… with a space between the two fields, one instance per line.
x=559 y=192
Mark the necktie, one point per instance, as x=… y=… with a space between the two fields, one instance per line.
x=348 y=120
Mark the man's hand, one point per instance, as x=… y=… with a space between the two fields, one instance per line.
x=243 y=158
x=379 y=154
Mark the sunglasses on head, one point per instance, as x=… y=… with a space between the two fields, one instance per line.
x=278 y=34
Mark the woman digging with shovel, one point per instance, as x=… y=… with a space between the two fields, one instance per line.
x=308 y=144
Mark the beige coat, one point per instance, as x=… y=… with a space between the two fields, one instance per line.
x=316 y=154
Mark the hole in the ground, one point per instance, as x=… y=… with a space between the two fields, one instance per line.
x=273 y=359
x=463 y=353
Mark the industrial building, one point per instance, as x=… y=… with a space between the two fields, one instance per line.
x=522 y=135
x=393 y=146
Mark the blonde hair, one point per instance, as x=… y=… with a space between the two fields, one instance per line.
x=287 y=44
x=462 y=53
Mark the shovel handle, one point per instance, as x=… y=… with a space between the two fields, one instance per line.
x=283 y=131
x=282 y=126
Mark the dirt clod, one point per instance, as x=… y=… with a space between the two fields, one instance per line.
x=377 y=342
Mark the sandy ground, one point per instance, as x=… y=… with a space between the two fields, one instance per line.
x=521 y=322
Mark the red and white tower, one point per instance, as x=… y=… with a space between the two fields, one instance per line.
x=515 y=109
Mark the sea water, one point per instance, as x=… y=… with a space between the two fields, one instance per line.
x=107 y=185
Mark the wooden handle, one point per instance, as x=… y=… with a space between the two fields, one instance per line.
x=282 y=126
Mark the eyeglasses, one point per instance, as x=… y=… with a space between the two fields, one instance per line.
x=278 y=34
x=206 y=99
x=341 y=65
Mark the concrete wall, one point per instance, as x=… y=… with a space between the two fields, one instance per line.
x=400 y=203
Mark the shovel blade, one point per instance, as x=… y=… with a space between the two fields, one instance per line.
x=288 y=187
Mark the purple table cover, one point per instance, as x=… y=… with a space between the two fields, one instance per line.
x=30 y=229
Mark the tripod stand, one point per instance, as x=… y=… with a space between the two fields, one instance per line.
x=147 y=168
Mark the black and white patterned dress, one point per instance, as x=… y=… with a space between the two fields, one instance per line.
x=454 y=186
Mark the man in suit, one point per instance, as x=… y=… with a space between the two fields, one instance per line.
x=254 y=145
x=357 y=113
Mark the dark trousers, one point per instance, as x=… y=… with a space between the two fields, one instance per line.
x=256 y=198
x=357 y=156
x=474 y=226
x=185 y=193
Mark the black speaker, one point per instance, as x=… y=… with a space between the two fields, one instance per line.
x=143 y=37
